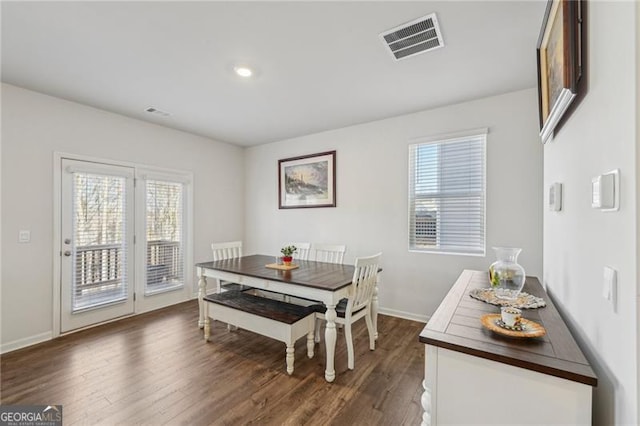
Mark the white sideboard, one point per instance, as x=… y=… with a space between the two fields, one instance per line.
x=475 y=376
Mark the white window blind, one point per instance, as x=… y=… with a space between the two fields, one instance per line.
x=100 y=244
x=447 y=194
x=164 y=235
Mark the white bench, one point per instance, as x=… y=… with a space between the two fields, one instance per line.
x=272 y=318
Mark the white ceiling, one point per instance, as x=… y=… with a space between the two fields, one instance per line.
x=321 y=65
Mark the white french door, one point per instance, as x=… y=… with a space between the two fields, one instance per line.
x=124 y=247
x=97 y=243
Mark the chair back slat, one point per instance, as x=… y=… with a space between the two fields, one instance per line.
x=228 y=250
x=330 y=253
x=364 y=282
x=303 y=250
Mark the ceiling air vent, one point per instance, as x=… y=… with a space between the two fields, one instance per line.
x=156 y=111
x=413 y=38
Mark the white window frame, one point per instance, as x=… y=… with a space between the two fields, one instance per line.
x=441 y=139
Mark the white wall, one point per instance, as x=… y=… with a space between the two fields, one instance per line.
x=638 y=210
x=371 y=212
x=579 y=241
x=34 y=126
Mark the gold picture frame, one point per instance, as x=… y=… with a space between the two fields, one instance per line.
x=559 y=57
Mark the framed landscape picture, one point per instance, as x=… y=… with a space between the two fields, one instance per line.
x=307 y=181
x=559 y=62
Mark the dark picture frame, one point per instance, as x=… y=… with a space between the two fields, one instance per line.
x=307 y=181
x=559 y=58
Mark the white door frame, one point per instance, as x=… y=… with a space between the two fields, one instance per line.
x=57 y=226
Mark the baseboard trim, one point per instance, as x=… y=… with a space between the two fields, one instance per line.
x=404 y=315
x=26 y=341
x=43 y=337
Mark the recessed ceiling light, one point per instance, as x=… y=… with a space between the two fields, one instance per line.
x=243 y=71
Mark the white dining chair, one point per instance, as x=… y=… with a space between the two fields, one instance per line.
x=357 y=305
x=302 y=251
x=330 y=253
x=224 y=251
x=228 y=250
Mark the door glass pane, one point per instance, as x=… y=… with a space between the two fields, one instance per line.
x=164 y=232
x=99 y=270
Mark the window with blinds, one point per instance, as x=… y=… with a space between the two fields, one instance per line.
x=100 y=243
x=164 y=235
x=447 y=194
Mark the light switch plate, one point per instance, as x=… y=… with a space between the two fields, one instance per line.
x=555 y=197
x=605 y=191
x=610 y=286
x=24 y=236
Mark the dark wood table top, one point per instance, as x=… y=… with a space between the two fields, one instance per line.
x=320 y=275
x=456 y=326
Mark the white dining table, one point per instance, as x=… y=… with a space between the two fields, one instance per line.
x=324 y=282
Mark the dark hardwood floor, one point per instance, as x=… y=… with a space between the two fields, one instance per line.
x=156 y=369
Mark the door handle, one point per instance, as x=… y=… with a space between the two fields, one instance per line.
x=67 y=253
x=67 y=241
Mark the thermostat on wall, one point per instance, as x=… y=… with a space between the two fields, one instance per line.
x=605 y=191
x=555 y=197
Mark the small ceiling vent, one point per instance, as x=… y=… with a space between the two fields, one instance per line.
x=156 y=111
x=413 y=38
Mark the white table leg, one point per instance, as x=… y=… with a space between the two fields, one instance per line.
x=426 y=405
x=317 y=330
x=207 y=322
x=330 y=336
x=290 y=358
x=202 y=290
x=374 y=308
x=310 y=344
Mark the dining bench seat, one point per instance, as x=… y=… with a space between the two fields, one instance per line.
x=286 y=322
